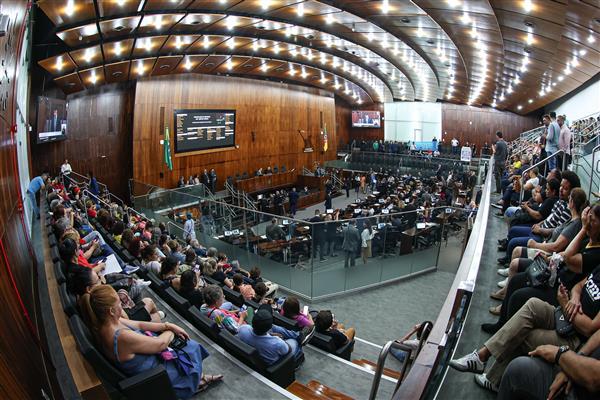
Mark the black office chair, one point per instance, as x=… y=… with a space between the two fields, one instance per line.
x=245 y=175
x=68 y=301
x=237 y=177
x=275 y=170
x=283 y=168
x=59 y=273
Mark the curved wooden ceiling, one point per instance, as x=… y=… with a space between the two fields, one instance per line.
x=511 y=54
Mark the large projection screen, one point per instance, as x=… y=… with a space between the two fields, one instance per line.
x=413 y=121
x=197 y=130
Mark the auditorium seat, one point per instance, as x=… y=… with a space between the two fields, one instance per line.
x=282 y=373
x=245 y=175
x=52 y=241
x=283 y=168
x=175 y=300
x=59 y=273
x=275 y=170
x=156 y=283
x=238 y=177
x=204 y=324
x=326 y=343
x=54 y=254
x=151 y=384
x=232 y=296
x=68 y=301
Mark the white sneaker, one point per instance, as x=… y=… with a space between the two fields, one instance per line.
x=141 y=282
x=161 y=314
x=484 y=382
x=503 y=271
x=469 y=363
x=502 y=284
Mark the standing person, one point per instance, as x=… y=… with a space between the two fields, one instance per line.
x=293 y=197
x=213 y=180
x=363 y=184
x=434 y=144
x=93 y=187
x=500 y=151
x=552 y=138
x=366 y=237
x=350 y=243
x=318 y=235
x=373 y=181
x=455 y=146
x=205 y=179
x=38 y=183
x=189 y=228
x=328 y=201
x=330 y=234
x=65 y=171
x=347 y=184
x=357 y=184
x=564 y=142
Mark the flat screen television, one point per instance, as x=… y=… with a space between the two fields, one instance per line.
x=51 y=119
x=366 y=119
x=203 y=129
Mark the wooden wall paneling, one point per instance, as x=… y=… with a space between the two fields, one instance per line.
x=98 y=139
x=273 y=111
x=22 y=369
x=479 y=124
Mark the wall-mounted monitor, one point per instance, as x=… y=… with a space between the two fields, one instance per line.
x=51 y=119
x=366 y=119
x=203 y=130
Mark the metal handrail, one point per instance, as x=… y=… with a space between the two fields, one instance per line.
x=385 y=352
x=593 y=168
x=539 y=163
x=306 y=171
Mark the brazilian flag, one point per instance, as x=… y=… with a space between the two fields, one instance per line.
x=167 y=148
x=325 y=141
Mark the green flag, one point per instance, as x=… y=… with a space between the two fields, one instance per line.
x=167 y=148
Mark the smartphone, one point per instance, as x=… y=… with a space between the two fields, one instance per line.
x=243 y=308
x=305 y=310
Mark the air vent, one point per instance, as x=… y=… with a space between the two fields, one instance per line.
x=527 y=50
x=279 y=69
x=164 y=66
x=119 y=28
x=71 y=84
x=249 y=66
x=209 y=64
x=116 y=74
x=261 y=27
x=405 y=20
x=529 y=24
x=195 y=22
x=430 y=41
x=447 y=63
x=310 y=37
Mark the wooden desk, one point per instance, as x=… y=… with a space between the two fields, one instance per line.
x=266 y=182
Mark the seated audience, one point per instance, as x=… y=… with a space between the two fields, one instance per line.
x=327 y=325
x=271 y=341
x=213 y=309
x=239 y=286
x=150 y=261
x=535 y=325
x=291 y=309
x=168 y=272
x=190 y=288
x=125 y=343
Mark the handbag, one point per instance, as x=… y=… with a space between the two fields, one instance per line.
x=538 y=272
x=564 y=328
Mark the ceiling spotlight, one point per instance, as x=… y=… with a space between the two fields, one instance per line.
x=117 y=49
x=188 y=65
x=69 y=9
x=265 y=4
x=264 y=67
x=465 y=18
x=527 y=5
x=385 y=6
x=582 y=52
x=560 y=78
x=59 y=63
x=300 y=10
x=591 y=38
x=330 y=19
x=453 y=3
x=519 y=107
x=93 y=77
x=530 y=101
x=140 y=67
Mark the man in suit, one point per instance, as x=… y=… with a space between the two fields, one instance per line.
x=318 y=235
x=213 y=180
x=293 y=196
x=53 y=123
x=350 y=243
x=328 y=201
x=274 y=231
x=205 y=179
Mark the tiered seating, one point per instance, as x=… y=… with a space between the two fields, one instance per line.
x=150 y=384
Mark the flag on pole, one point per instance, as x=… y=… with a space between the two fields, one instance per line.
x=167 y=150
x=325 y=143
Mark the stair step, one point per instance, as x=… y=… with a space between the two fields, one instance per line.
x=373 y=367
x=327 y=391
x=304 y=392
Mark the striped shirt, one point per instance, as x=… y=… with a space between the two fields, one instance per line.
x=559 y=215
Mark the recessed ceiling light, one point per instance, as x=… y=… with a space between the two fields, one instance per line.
x=530 y=101
x=591 y=38
x=519 y=107
x=527 y=5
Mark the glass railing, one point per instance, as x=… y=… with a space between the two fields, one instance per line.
x=311 y=259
